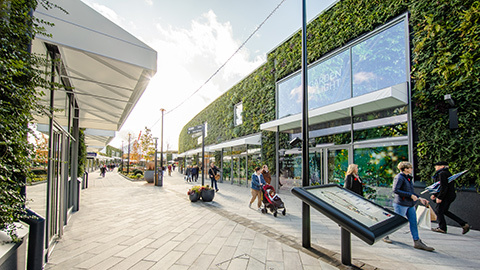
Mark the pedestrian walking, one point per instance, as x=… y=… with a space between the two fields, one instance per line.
x=195 y=171
x=266 y=174
x=352 y=180
x=188 y=173
x=212 y=173
x=405 y=200
x=169 y=170
x=103 y=170
x=257 y=182
x=444 y=198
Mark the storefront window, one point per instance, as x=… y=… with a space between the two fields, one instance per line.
x=289 y=96
x=377 y=168
x=329 y=81
x=373 y=64
x=379 y=61
x=337 y=165
x=381 y=132
x=227 y=164
x=290 y=168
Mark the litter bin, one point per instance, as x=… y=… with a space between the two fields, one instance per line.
x=36 y=238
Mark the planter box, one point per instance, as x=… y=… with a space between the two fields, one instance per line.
x=149 y=176
x=14 y=255
x=207 y=195
x=194 y=197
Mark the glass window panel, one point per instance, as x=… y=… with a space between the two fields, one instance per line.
x=238 y=114
x=377 y=166
x=290 y=96
x=337 y=165
x=227 y=165
x=329 y=81
x=290 y=169
x=379 y=61
x=388 y=131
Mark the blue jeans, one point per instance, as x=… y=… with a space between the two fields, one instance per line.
x=411 y=215
x=214 y=182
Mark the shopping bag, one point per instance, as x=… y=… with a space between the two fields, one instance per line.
x=433 y=215
x=423 y=217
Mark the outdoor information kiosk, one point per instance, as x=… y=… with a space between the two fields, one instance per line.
x=353 y=213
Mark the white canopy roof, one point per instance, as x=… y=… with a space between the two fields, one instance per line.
x=108 y=68
x=252 y=140
x=382 y=99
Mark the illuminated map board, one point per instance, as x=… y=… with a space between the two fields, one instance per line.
x=365 y=219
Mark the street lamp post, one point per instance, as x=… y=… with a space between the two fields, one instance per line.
x=155 y=168
x=161 y=151
x=128 y=158
x=306 y=232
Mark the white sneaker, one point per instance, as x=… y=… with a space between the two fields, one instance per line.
x=250 y=205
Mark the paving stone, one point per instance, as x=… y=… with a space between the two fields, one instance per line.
x=133 y=225
x=168 y=260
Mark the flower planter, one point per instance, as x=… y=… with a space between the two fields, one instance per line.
x=207 y=195
x=149 y=176
x=194 y=196
x=14 y=255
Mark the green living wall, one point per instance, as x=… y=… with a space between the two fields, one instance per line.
x=444 y=40
x=17 y=101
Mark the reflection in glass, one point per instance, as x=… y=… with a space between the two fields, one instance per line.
x=329 y=81
x=389 y=131
x=290 y=163
x=377 y=167
x=227 y=165
x=337 y=166
x=289 y=96
x=379 y=61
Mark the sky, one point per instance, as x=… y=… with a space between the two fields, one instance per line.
x=193 y=39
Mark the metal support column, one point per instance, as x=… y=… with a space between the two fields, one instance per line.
x=346 y=247
x=306 y=232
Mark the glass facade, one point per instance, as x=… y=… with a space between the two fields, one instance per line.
x=377 y=141
x=372 y=64
x=377 y=166
x=239 y=163
x=379 y=61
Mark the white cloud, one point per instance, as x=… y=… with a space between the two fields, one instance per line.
x=149 y=2
x=187 y=57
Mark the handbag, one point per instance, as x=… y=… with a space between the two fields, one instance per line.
x=217 y=176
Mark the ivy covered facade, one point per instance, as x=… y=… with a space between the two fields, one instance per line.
x=378 y=75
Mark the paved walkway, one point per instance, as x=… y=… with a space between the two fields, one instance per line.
x=134 y=225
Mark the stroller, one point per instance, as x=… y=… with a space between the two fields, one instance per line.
x=272 y=201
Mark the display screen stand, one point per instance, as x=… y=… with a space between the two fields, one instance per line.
x=354 y=214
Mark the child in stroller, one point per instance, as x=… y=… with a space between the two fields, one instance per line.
x=272 y=201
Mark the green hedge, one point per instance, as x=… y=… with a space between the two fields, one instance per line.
x=444 y=52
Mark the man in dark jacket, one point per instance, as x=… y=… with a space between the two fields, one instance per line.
x=445 y=196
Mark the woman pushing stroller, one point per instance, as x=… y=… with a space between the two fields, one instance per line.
x=257 y=182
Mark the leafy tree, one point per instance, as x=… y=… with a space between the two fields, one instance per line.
x=147 y=144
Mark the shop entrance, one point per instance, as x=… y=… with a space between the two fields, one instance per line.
x=328 y=165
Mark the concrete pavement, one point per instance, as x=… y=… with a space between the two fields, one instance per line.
x=126 y=224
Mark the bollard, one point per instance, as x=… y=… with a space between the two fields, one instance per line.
x=36 y=238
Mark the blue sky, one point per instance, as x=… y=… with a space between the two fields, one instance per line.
x=193 y=38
